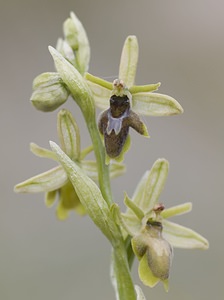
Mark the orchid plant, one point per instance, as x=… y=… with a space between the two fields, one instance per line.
x=83 y=185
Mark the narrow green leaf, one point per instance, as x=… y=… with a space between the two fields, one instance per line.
x=89 y=195
x=45 y=182
x=154 y=104
x=76 y=84
x=183 y=237
x=129 y=60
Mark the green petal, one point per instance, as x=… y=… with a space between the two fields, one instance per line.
x=68 y=132
x=151 y=186
x=129 y=60
x=50 y=198
x=135 y=209
x=42 y=152
x=183 y=237
x=144 y=88
x=154 y=104
x=90 y=196
x=146 y=274
x=176 y=210
x=45 y=182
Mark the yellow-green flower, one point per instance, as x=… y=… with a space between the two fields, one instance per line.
x=153 y=236
x=123 y=101
x=55 y=182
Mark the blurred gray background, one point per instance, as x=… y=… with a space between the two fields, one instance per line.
x=181 y=45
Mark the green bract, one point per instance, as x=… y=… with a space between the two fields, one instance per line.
x=146 y=221
x=55 y=182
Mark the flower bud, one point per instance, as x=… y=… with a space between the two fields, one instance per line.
x=49 y=92
x=69 y=135
x=71 y=34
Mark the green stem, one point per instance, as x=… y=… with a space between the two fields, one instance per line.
x=103 y=169
x=121 y=277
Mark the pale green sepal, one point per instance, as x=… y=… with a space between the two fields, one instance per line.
x=153 y=185
x=145 y=273
x=83 y=51
x=176 y=210
x=76 y=84
x=42 y=152
x=129 y=60
x=50 y=198
x=68 y=132
x=101 y=95
x=139 y=190
x=45 y=182
x=154 y=104
x=139 y=293
x=183 y=237
x=89 y=195
x=135 y=209
x=144 y=88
